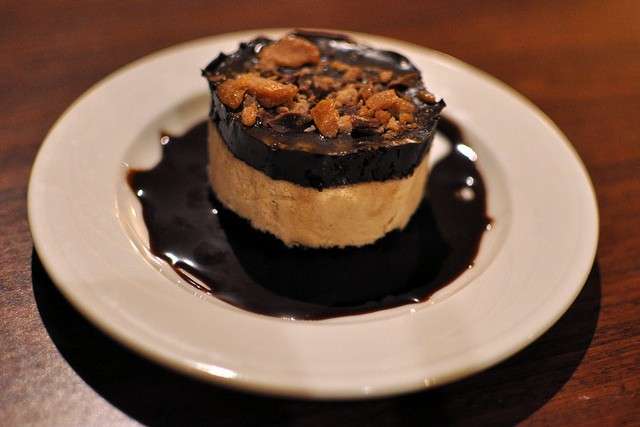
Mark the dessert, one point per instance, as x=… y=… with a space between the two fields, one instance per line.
x=319 y=140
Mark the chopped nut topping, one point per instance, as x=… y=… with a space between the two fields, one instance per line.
x=250 y=111
x=389 y=100
x=427 y=97
x=385 y=75
x=352 y=74
x=313 y=94
x=340 y=66
x=365 y=111
x=347 y=96
x=324 y=83
x=325 y=116
x=268 y=92
x=365 y=123
x=366 y=91
x=393 y=124
x=290 y=51
x=405 y=118
x=300 y=106
x=345 y=124
x=383 y=116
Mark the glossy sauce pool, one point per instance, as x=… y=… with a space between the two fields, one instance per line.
x=220 y=253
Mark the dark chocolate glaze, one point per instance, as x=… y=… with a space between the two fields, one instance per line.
x=310 y=159
x=220 y=253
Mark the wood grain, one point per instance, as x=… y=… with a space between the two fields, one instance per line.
x=578 y=60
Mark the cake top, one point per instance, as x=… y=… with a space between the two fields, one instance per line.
x=323 y=88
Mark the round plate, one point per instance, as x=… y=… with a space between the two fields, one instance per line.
x=533 y=262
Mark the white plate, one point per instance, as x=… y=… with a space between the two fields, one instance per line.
x=87 y=230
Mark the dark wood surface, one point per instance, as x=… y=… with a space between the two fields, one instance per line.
x=578 y=60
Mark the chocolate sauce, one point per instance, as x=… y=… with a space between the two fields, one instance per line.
x=220 y=253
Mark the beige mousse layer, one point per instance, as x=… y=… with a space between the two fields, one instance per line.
x=350 y=215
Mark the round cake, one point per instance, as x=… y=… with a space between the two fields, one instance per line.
x=319 y=140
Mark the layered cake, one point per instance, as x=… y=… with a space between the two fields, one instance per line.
x=319 y=140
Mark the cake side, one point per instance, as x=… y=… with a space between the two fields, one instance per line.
x=352 y=215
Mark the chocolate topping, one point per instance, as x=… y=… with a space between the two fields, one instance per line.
x=320 y=110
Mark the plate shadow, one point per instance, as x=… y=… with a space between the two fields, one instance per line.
x=153 y=395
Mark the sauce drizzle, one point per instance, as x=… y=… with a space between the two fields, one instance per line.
x=220 y=253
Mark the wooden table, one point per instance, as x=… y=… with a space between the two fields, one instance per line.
x=578 y=60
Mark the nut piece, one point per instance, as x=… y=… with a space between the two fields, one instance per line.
x=385 y=75
x=299 y=106
x=290 y=51
x=339 y=65
x=345 y=124
x=366 y=91
x=393 y=125
x=365 y=111
x=426 y=96
x=250 y=111
x=268 y=92
x=389 y=100
x=352 y=74
x=383 y=116
x=363 y=126
x=325 y=116
x=347 y=96
x=324 y=83
x=404 y=80
x=405 y=118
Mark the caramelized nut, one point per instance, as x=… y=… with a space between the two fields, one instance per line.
x=352 y=74
x=426 y=96
x=366 y=91
x=290 y=51
x=385 y=75
x=325 y=116
x=231 y=92
x=405 y=118
x=360 y=122
x=268 y=92
x=389 y=100
x=347 y=97
x=393 y=125
x=383 y=116
x=365 y=111
x=216 y=78
x=339 y=65
x=324 y=83
x=300 y=106
x=250 y=111
x=345 y=124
